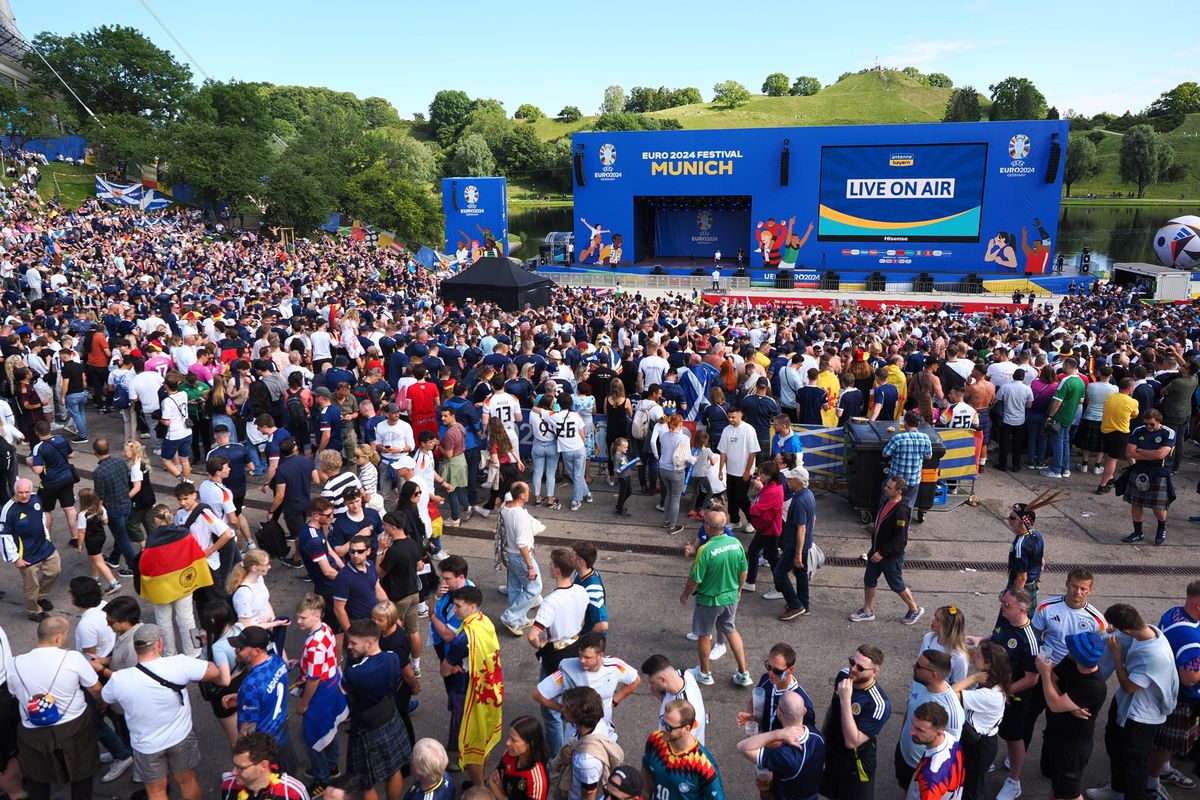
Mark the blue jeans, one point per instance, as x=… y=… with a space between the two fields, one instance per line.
x=796 y=596
x=521 y=591
x=1060 y=446
x=575 y=466
x=256 y=458
x=227 y=421
x=121 y=543
x=458 y=502
x=552 y=722
x=325 y=761
x=545 y=462
x=108 y=737
x=1035 y=436
x=75 y=403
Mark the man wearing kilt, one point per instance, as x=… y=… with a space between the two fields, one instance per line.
x=379 y=746
x=1149 y=481
x=1181 y=626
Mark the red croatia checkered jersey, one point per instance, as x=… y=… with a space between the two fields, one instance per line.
x=319 y=659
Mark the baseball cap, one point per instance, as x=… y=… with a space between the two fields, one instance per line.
x=1087 y=648
x=628 y=780
x=795 y=474
x=554 y=355
x=252 y=636
x=391 y=408
x=322 y=391
x=147 y=634
x=405 y=462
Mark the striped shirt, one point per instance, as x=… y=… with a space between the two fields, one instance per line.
x=1055 y=621
x=870 y=707
x=335 y=486
x=1183 y=633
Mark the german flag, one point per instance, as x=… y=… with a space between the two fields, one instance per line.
x=171 y=566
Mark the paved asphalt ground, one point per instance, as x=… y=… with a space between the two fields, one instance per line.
x=956 y=556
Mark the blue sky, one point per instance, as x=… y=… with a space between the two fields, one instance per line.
x=1090 y=57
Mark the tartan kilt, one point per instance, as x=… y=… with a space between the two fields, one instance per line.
x=1088 y=436
x=377 y=755
x=1159 y=495
x=1179 y=733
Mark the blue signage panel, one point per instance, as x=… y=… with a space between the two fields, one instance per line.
x=959 y=197
x=476 y=212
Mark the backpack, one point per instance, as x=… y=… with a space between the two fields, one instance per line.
x=297 y=416
x=121 y=398
x=641 y=420
x=271 y=539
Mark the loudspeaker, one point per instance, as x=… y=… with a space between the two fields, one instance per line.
x=578 y=159
x=973 y=284
x=876 y=282
x=1053 y=159
x=785 y=160
x=923 y=283
x=658 y=270
x=831 y=281
x=454 y=193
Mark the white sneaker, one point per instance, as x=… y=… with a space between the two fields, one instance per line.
x=748 y=528
x=1103 y=793
x=1098 y=470
x=773 y=595
x=1007 y=763
x=483 y=512
x=119 y=767
x=502 y=588
x=1067 y=473
x=762 y=562
x=748 y=587
x=693 y=637
x=703 y=678
x=1011 y=790
x=718 y=650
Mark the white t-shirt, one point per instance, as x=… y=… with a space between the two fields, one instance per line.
x=399 y=435
x=569 y=427
x=653 y=369
x=504 y=407
x=543 y=427
x=321 y=343
x=145 y=386
x=961 y=415
x=691 y=693
x=158 y=717
x=65 y=674
x=217 y=497
x=613 y=674
x=586 y=769
x=520 y=528
x=252 y=601
x=561 y=612
x=207 y=528
x=1001 y=372
x=1097 y=392
x=93 y=631
x=738 y=443
x=174 y=413
x=984 y=708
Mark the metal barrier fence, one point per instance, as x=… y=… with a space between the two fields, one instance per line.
x=672 y=282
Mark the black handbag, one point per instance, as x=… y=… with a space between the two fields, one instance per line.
x=384 y=711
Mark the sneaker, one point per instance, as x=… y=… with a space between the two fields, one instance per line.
x=1049 y=473
x=468 y=513
x=762 y=562
x=514 y=630
x=1097 y=470
x=675 y=530
x=112 y=563
x=1160 y=537
x=502 y=588
x=440 y=555
x=119 y=767
x=589 y=499
x=659 y=509
x=423 y=611
x=1103 y=793
x=748 y=587
x=774 y=594
x=1083 y=467
x=125 y=572
x=1066 y=473
x=483 y=512
x=747 y=528
x=790 y=614
x=1171 y=775
x=623 y=514
x=862 y=615
x=718 y=650
x=553 y=505
x=742 y=679
x=292 y=564
x=452 y=523
x=36 y=616
x=1158 y=793
x=575 y=506
x=693 y=637
x=45 y=604
x=1032 y=465
x=703 y=678
x=911 y=617
x=113 y=587
x=1011 y=790
x=1134 y=538
x=80 y=440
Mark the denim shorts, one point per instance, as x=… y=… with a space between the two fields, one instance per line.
x=892 y=570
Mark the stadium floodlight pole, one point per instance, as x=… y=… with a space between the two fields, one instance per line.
x=67 y=85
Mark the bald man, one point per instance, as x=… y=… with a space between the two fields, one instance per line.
x=25 y=541
x=794 y=754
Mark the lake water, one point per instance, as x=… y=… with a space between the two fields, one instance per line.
x=1113 y=233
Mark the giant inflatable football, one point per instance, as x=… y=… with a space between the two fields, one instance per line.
x=1178 y=243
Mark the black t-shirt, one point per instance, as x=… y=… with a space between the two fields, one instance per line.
x=400 y=564
x=72 y=373
x=1086 y=690
x=399 y=643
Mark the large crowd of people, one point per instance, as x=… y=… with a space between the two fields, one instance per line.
x=330 y=383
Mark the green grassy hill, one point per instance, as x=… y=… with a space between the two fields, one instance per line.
x=1184 y=140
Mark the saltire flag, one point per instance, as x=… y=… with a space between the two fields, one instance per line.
x=150 y=175
x=171 y=566
x=695 y=382
x=479 y=732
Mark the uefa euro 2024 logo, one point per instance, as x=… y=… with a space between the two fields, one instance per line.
x=1018 y=147
x=704 y=220
x=471 y=195
x=608 y=155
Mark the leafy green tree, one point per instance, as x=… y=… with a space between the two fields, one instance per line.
x=28 y=113
x=805 y=86
x=569 y=114
x=939 y=80
x=687 y=96
x=520 y=151
x=380 y=113
x=963 y=106
x=124 y=139
x=472 y=156
x=556 y=165
x=730 y=94
x=628 y=121
x=776 y=85
x=1095 y=137
x=390 y=202
x=528 y=111
x=1052 y=113
x=448 y=115
x=913 y=73
x=1016 y=98
x=413 y=160
x=220 y=162
x=1183 y=99
x=114 y=70
x=843 y=77
x=642 y=99
x=1125 y=122
x=614 y=100
x=1082 y=161
x=294 y=197
x=1143 y=158
x=487 y=119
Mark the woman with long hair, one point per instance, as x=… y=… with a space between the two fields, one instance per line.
x=674 y=458
x=766 y=515
x=947 y=634
x=408 y=506
x=521 y=773
x=247 y=589
x=30 y=409
x=141 y=492
x=217 y=406
x=617 y=413
x=218 y=623
x=983 y=695
x=504 y=465
x=545 y=451
x=1037 y=442
x=716 y=415
x=90 y=520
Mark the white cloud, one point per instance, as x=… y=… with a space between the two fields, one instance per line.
x=918 y=54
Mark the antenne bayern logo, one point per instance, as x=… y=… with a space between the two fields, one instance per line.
x=1018 y=146
x=608 y=155
x=471 y=194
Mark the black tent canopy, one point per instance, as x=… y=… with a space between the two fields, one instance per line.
x=497 y=280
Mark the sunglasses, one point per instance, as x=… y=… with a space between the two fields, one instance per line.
x=778 y=673
x=662 y=721
x=854 y=665
x=360 y=551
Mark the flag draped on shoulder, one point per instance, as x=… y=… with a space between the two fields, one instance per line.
x=171 y=566
x=483 y=706
x=695 y=382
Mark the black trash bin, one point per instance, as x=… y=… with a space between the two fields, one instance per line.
x=865 y=464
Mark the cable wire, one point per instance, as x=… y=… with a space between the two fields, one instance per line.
x=67 y=85
x=175 y=39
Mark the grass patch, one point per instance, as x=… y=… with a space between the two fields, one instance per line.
x=1184 y=140
x=70 y=184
